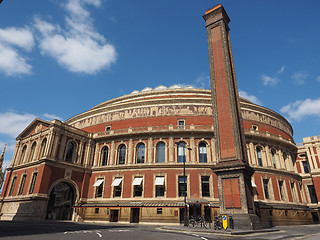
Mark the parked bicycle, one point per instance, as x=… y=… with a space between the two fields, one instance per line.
x=198 y=222
x=218 y=222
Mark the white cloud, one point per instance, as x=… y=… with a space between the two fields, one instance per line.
x=203 y=81
x=251 y=98
x=299 y=77
x=78 y=47
x=281 y=70
x=269 y=81
x=302 y=108
x=12 y=62
x=318 y=79
x=50 y=117
x=20 y=37
x=13 y=124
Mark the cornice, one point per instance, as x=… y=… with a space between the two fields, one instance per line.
x=278 y=172
x=258 y=136
x=24 y=198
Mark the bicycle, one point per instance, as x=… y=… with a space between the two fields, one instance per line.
x=198 y=221
x=217 y=223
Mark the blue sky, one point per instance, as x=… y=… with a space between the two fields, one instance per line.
x=60 y=58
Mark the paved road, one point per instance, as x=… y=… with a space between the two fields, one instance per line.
x=78 y=231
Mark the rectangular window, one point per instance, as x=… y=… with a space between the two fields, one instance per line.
x=23 y=182
x=137 y=191
x=313 y=195
x=159 y=183
x=205 y=186
x=266 y=188
x=96 y=210
x=181 y=124
x=292 y=191
x=159 y=210
x=182 y=187
x=306 y=166
x=33 y=182
x=13 y=183
x=137 y=187
x=99 y=187
x=281 y=190
x=117 y=187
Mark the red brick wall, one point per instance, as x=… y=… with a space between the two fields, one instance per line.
x=231 y=193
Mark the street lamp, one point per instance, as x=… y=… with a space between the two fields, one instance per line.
x=184 y=182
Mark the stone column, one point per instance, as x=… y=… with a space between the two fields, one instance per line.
x=96 y=155
x=112 y=154
x=130 y=151
x=80 y=151
x=55 y=146
x=88 y=151
x=194 y=150
x=268 y=156
x=50 y=140
x=212 y=157
x=37 y=150
x=171 y=150
x=62 y=147
x=233 y=171
x=15 y=158
x=150 y=148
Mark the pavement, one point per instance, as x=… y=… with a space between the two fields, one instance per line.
x=212 y=230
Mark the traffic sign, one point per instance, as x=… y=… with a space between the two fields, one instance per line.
x=225 y=221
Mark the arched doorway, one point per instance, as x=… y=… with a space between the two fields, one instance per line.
x=61 y=200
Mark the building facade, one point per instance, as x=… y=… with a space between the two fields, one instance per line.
x=123 y=161
x=150 y=155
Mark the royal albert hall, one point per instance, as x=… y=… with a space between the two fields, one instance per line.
x=123 y=160
x=152 y=155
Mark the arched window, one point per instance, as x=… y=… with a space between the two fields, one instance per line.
x=122 y=154
x=70 y=150
x=43 y=147
x=104 y=156
x=161 y=152
x=140 y=153
x=33 y=148
x=23 y=154
x=259 y=156
x=203 y=152
x=273 y=155
x=181 y=152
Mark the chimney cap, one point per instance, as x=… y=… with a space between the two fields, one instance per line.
x=215 y=14
x=213 y=8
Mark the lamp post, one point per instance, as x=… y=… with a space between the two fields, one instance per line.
x=184 y=183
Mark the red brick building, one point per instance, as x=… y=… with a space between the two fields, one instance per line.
x=123 y=161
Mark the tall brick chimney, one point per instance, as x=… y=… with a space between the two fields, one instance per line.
x=234 y=173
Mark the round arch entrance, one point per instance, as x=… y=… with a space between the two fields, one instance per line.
x=61 y=200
